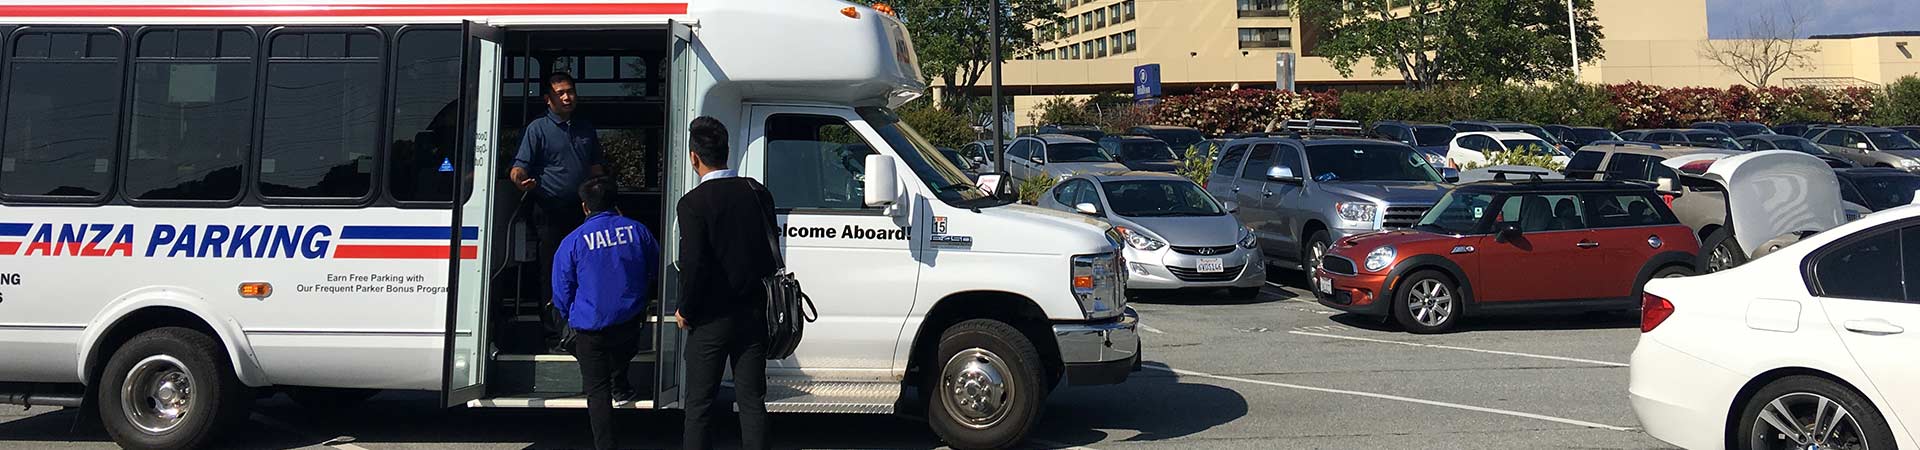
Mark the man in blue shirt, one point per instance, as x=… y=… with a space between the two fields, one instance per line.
x=601 y=278
x=557 y=152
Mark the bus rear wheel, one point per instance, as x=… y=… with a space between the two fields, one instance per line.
x=169 y=388
x=986 y=392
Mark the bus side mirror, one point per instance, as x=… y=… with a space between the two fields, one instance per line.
x=881 y=186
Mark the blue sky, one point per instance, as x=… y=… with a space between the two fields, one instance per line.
x=1724 y=17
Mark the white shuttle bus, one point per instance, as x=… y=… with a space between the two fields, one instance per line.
x=204 y=201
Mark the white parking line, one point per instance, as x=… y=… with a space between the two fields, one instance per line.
x=1397 y=398
x=1151 y=329
x=1464 y=349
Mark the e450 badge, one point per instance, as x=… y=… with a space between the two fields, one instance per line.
x=940 y=238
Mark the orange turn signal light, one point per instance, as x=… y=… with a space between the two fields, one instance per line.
x=883 y=8
x=256 y=289
x=1083 y=282
x=850 y=12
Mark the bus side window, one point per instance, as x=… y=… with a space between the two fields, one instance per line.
x=192 y=127
x=426 y=112
x=62 y=114
x=815 y=162
x=322 y=114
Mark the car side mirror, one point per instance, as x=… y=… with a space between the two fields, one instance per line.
x=1860 y=145
x=1282 y=174
x=1037 y=159
x=1087 y=208
x=1506 y=232
x=1451 y=175
x=881 y=186
x=1666 y=186
x=1232 y=207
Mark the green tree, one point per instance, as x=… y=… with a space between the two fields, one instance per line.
x=1429 y=41
x=951 y=36
x=940 y=126
x=1900 y=104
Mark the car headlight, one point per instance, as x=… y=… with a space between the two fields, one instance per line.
x=1099 y=285
x=1909 y=164
x=1247 y=239
x=1139 y=240
x=1380 y=258
x=1356 y=211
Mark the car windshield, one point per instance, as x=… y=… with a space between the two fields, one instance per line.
x=1066 y=152
x=1714 y=138
x=1432 y=136
x=1160 y=198
x=1800 y=144
x=1530 y=146
x=1143 y=150
x=1887 y=191
x=1457 y=213
x=946 y=180
x=1748 y=129
x=1584 y=136
x=1892 y=140
x=1528 y=129
x=953 y=156
x=1362 y=162
x=1085 y=133
x=1179 y=138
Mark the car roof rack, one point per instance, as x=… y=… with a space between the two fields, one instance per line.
x=1323 y=127
x=1501 y=174
x=1648 y=145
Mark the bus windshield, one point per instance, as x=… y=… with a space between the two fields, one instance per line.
x=947 y=182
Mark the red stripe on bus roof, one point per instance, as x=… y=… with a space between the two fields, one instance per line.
x=400 y=252
x=368 y=10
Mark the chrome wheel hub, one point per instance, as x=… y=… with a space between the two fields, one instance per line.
x=975 y=384
x=1806 y=421
x=1430 y=302
x=157 y=394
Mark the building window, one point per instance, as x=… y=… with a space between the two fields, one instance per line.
x=1086 y=22
x=63 y=114
x=1100 y=48
x=1131 y=44
x=1263 y=8
x=1073 y=25
x=1075 y=51
x=1266 y=37
x=1129 y=7
x=1099 y=18
x=192 y=128
x=1114 y=42
x=1114 y=12
x=322 y=114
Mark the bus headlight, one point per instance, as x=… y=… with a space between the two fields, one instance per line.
x=1099 y=285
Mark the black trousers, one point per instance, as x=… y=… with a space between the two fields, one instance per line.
x=604 y=356
x=552 y=222
x=741 y=339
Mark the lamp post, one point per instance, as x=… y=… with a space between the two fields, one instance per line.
x=993 y=34
x=1573 y=39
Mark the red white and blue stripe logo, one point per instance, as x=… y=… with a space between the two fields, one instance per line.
x=235 y=241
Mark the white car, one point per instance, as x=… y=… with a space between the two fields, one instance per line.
x=1472 y=148
x=1805 y=348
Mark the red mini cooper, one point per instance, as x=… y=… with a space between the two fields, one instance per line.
x=1511 y=246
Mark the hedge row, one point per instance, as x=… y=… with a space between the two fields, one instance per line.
x=1618 y=106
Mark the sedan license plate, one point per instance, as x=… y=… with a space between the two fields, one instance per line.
x=1212 y=265
x=1324 y=284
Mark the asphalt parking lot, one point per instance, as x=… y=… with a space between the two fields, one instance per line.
x=1276 y=372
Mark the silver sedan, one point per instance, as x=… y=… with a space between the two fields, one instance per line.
x=1177 y=236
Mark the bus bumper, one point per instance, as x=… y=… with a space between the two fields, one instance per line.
x=1100 y=352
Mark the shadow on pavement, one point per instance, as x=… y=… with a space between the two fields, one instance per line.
x=1511 y=322
x=1154 y=404
x=1206 y=297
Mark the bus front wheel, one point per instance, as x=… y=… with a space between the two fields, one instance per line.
x=169 y=388
x=987 y=391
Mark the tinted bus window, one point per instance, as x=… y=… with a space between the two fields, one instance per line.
x=426 y=109
x=192 y=125
x=322 y=115
x=62 y=114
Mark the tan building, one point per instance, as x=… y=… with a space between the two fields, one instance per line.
x=1233 y=43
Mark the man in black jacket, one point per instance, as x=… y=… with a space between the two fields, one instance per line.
x=725 y=226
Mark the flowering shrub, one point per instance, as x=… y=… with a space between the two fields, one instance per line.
x=1244 y=110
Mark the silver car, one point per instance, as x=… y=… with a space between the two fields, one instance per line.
x=1871 y=146
x=1177 y=236
x=1058 y=156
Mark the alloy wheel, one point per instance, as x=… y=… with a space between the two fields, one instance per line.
x=1806 y=421
x=1430 y=302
